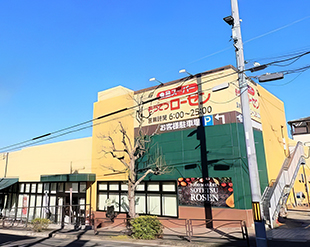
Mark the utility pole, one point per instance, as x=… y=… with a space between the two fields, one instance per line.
x=201 y=134
x=259 y=223
x=6 y=164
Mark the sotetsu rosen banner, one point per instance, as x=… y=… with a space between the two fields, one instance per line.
x=195 y=191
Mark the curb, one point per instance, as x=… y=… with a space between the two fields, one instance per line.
x=25 y=233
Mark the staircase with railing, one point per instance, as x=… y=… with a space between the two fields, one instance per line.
x=275 y=195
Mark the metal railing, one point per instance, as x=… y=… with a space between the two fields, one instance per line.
x=191 y=228
x=275 y=196
x=76 y=215
x=187 y=229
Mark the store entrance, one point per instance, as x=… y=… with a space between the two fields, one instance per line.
x=74 y=209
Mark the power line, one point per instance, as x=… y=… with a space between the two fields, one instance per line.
x=50 y=135
x=20 y=144
x=42 y=138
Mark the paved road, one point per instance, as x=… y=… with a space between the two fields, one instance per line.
x=25 y=241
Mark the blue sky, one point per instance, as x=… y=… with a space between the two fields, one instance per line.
x=55 y=56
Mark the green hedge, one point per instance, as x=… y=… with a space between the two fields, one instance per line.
x=39 y=224
x=146 y=227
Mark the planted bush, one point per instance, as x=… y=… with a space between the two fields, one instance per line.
x=146 y=227
x=40 y=224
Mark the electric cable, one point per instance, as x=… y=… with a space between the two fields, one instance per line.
x=34 y=140
x=74 y=126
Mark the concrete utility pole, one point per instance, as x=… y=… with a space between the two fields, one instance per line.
x=259 y=223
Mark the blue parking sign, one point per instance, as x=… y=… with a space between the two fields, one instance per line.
x=208 y=120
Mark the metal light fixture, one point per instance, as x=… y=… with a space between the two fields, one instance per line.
x=154 y=79
x=184 y=71
x=258 y=67
x=229 y=20
x=270 y=77
x=220 y=87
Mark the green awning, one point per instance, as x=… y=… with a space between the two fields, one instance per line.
x=7 y=182
x=76 y=177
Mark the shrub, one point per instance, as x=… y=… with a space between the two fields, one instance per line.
x=39 y=224
x=146 y=227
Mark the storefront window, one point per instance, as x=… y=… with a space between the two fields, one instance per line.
x=40 y=188
x=102 y=201
x=140 y=187
x=60 y=187
x=124 y=187
x=153 y=186
x=21 y=188
x=53 y=187
x=140 y=204
x=38 y=206
x=113 y=186
x=169 y=205
x=124 y=204
x=103 y=186
x=31 y=207
x=33 y=188
x=169 y=186
x=27 y=189
x=83 y=187
x=114 y=199
x=153 y=204
x=46 y=187
x=74 y=186
x=155 y=198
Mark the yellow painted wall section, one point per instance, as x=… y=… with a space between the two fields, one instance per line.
x=55 y=158
x=274 y=131
x=103 y=164
x=303 y=176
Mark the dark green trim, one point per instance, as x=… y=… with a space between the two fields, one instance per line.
x=7 y=182
x=79 y=177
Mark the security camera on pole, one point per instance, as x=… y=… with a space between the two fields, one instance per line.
x=259 y=223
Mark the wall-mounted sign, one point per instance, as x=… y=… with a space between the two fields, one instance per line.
x=195 y=191
x=179 y=101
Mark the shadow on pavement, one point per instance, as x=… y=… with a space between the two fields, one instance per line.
x=7 y=238
x=50 y=235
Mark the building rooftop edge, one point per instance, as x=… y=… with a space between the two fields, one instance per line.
x=181 y=79
x=299 y=120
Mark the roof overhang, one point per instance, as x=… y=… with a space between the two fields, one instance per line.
x=75 y=177
x=7 y=182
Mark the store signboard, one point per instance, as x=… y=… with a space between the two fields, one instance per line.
x=179 y=102
x=195 y=191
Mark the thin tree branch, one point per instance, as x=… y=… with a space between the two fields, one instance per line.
x=140 y=179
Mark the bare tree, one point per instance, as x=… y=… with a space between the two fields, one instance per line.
x=130 y=151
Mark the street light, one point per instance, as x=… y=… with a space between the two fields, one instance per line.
x=270 y=77
x=184 y=71
x=154 y=79
x=160 y=84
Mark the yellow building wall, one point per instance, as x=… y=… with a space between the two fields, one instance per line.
x=109 y=101
x=303 y=176
x=274 y=131
x=56 y=158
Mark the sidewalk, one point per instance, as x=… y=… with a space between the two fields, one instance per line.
x=295 y=228
x=212 y=239
x=295 y=231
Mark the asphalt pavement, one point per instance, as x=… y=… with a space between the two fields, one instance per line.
x=294 y=231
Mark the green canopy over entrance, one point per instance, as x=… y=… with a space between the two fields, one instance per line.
x=7 y=182
x=75 y=177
